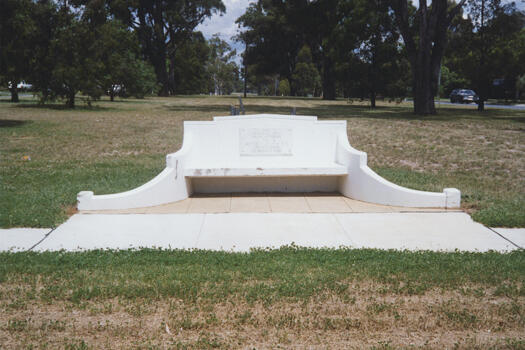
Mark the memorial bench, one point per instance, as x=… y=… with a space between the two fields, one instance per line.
x=267 y=153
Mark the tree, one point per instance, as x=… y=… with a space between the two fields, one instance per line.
x=424 y=33
x=275 y=31
x=16 y=40
x=47 y=19
x=222 y=70
x=495 y=25
x=520 y=86
x=322 y=27
x=378 y=46
x=123 y=72
x=191 y=74
x=75 y=67
x=478 y=57
x=284 y=87
x=272 y=40
x=305 y=78
x=162 y=27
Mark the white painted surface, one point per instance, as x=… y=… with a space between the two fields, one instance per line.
x=242 y=231
x=20 y=239
x=267 y=146
x=516 y=235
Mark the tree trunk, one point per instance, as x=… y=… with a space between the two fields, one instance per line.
x=425 y=56
x=244 y=87
x=372 y=99
x=481 y=105
x=424 y=84
x=112 y=94
x=423 y=98
x=162 y=76
x=328 y=79
x=71 y=100
x=14 y=92
x=372 y=79
x=483 y=93
x=171 y=75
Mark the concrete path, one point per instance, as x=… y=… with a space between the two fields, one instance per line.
x=21 y=239
x=242 y=231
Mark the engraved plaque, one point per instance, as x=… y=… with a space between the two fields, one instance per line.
x=265 y=142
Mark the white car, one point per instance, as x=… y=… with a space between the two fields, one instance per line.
x=21 y=86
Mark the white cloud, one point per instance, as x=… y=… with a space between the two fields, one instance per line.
x=225 y=25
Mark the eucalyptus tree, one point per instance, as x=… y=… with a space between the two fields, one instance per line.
x=162 y=27
x=376 y=38
x=273 y=35
x=222 y=70
x=496 y=25
x=425 y=35
x=17 y=30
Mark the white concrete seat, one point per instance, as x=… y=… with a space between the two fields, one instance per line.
x=260 y=169
x=267 y=153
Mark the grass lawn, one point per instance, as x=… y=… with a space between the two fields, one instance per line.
x=287 y=298
x=117 y=146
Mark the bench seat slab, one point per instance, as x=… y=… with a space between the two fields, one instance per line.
x=334 y=170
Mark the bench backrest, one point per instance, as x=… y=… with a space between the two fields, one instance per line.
x=262 y=139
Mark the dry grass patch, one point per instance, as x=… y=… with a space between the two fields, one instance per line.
x=288 y=298
x=366 y=318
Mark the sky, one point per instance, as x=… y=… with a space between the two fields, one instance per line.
x=226 y=27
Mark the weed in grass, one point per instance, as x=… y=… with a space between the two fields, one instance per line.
x=77 y=345
x=18 y=325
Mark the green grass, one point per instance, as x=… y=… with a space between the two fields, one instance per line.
x=321 y=298
x=262 y=275
x=39 y=194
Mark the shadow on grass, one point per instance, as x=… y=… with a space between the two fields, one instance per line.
x=57 y=106
x=353 y=111
x=8 y=123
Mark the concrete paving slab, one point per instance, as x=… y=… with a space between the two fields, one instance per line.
x=99 y=231
x=288 y=204
x=421 y=231
x=210 y=204
x=21 y=239
x=364 y=207
x=250 y=204
x=327 y=203
x=171 y=208
x=515 y=235
x=240 y=232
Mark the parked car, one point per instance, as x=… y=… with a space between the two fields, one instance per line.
x=463 y=96
x=22 y=86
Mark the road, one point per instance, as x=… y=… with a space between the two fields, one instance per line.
x=475 y=106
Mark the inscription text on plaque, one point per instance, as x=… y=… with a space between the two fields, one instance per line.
x=265 y=142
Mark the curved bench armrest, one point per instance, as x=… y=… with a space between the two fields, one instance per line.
x=362 y=183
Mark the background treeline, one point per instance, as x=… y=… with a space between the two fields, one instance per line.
x=365 y=48
x=114 y=47
x=328 y=48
